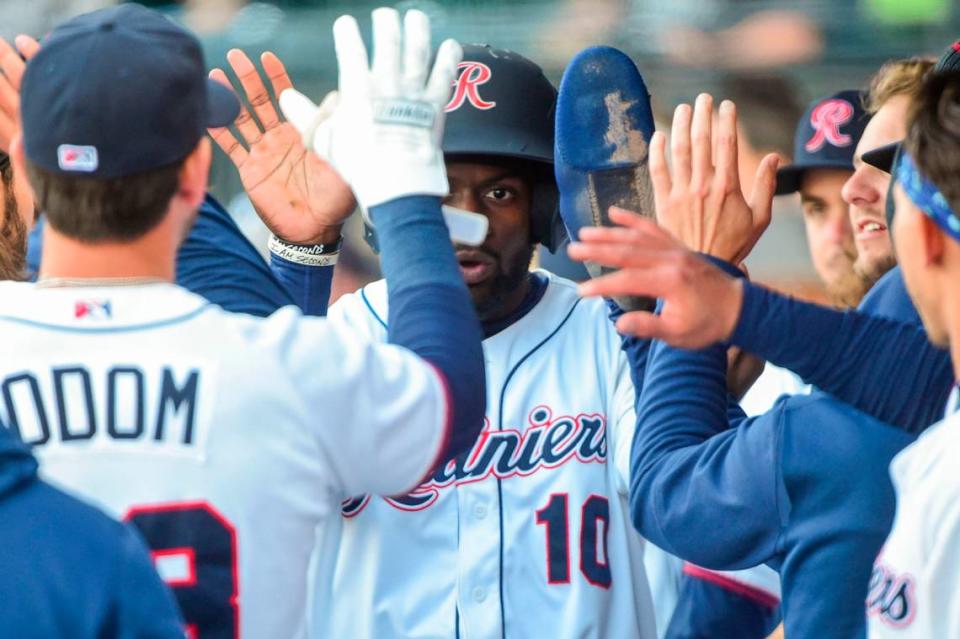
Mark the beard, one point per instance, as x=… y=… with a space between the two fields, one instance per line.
x=13 y=239
x=847 y=291
x=490 y=299
x=870 y=272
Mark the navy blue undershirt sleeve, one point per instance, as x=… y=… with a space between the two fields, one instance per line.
x=218 y=263
x=309 y=286
x=699 y=489
x=430 y=310
x=706 y=609
x=883 y=367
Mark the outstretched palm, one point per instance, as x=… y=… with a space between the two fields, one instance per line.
x=297 y=194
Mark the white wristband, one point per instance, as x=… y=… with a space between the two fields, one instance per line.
x=314 y=255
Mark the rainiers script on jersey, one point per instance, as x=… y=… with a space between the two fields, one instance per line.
x=526 y=535
x=915 y=586
x=225 y=439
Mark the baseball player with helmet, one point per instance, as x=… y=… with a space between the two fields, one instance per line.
x=227 y=440
x=526 y=534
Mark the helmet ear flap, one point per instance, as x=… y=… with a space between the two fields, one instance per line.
x=546 y=226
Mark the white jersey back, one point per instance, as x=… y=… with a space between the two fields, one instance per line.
x=226 y=439
x=530 y=535
x=915 y=586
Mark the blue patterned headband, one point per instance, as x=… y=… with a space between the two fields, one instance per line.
x=926 y=196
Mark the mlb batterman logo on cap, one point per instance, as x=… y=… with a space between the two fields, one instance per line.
x=118 y=92
x=826 y=138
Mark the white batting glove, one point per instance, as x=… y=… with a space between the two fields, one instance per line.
x=383 y=130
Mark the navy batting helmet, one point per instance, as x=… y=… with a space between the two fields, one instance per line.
x=503 y=106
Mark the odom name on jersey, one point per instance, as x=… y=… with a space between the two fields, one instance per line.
x=116 y=403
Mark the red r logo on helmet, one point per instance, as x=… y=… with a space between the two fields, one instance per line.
x=472 y=75
x=826 y=120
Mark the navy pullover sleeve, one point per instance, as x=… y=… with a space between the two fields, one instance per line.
x=884 y=367
x=430 y=310
x=218 y=263
x=699 y=489
x=309 y=286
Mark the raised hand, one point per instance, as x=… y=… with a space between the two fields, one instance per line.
x=701 y=303
x=12 y=66
x=297 y=194
x=702 y=203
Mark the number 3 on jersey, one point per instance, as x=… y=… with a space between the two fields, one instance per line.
x=195 y=551
x=594 y=524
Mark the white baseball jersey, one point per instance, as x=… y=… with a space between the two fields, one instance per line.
x=529 y=535
x=226 y=439
x=915 y=586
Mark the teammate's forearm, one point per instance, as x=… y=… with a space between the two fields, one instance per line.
x=698 y=489
x=309 y=286
x=886 y=368
x=430 y=310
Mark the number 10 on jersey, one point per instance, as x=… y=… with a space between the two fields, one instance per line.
x=594 y=525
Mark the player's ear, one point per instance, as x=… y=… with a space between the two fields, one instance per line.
x=195 y=172
x=17 y=156
x=932 y=241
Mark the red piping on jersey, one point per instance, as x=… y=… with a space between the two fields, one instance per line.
x=753 y=593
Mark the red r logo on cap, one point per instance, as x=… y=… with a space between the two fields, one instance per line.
x=472 y=75
x=826 y=120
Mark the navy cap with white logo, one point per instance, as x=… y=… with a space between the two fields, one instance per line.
x=117 y=92
x=826 y=138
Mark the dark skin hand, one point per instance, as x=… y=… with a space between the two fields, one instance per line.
x=497 y=271
x=296 y=193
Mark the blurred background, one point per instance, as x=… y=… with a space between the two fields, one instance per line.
x=770 y=56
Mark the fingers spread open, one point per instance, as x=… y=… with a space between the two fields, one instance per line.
x=27 y=46
x=621 y=254
x=254 y=89
x=647 y=282
x=352 y=62
x=444 y=72
x=386 y=50
x=641 y=324
x=764 y=187
x=247 y=129
x=727 y=166
x=659 y=172
x=276 y=72
x=701 y=138
x=416 y=50
x=644 y=224
x=680 y=145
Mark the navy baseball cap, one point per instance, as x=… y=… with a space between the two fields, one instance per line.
x=826 y=138
x=118 y=92
x=883 y=157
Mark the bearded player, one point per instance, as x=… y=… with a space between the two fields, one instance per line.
x=527 y=534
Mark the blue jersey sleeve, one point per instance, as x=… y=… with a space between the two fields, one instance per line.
x=308 y=286
x=701 y=490
x=218 y=263
x=884 y=367
x=430 y=309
